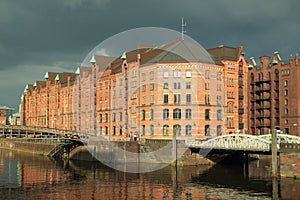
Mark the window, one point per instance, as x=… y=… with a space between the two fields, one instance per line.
x=207 y=130
x=133 y=84
x=133 y=73
x=188 y=98
x=143 y=76
x=286 y=102
x=286 y=121
x=151 y=86
x=133 y=108
x=151 y=75
x=120 y=116
x=177 y=85
x=286 y=92
x=143 y=130
x=121 y=130
x=230 y=122
x=177 y=130
x=219 y=99
x=207 y=99
x=165 y=130
x=106 y=117
x=188 y=130
x=106 y=130
x=133 y=122
x=166 y=85
x=230 y=95
x=219 y=115
x=151 y=130
x=177 y=74
x=286 y=111
x=188 y=113
x=176 y=98
x=219 y=76
x=207 y=114
x=230 y=82
x=231 y=66
x=230 y=107
x=144 y=88
x=114 y=130
x=166 y=74
x=188 y=74
x=152 y=99
x=143 y=115
x=100 y=118
x=144 y=100
x=207 y=86
x=166 y=114
x=166 y=98
x=100 y=130
x=219 y=130
x=188 y=85
x=207 y=74
x=286 y=83
x=114 y=117
x=177 y=113
x=151 y=114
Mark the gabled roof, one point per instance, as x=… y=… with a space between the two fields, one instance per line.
x=103 y=62
x=221 y=53
x=180 y=50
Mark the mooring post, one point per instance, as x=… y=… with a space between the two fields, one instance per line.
x=274 y=153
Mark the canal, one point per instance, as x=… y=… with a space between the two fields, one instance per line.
x=26 y=176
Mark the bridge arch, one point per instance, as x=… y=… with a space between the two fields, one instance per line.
x=237 y=142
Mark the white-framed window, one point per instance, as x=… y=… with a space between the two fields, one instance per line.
x=188 y=113
x=152 y=99
x=177 y=74
x=166 y=74
x=151 y=86
x=133 y=84
x=143 y=77
x=144 y=100
x=166 y=85
x=188 y=74
x=133 y=73
x=151 y=75
x=188 y=98
x=188 y=85
x=188 y=130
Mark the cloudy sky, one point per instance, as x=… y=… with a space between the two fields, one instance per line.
x=37 y=36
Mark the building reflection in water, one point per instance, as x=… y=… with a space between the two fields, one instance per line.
x=43 y=178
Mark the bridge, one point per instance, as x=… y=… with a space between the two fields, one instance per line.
x=247 y=143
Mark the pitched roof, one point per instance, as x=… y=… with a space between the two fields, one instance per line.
x=224 y=53
x=180 y=50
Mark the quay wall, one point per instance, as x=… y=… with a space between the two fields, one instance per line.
x=290 y=165
x=114 y=151
x=26 y=146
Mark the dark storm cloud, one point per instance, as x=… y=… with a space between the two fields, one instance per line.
x=57 y=35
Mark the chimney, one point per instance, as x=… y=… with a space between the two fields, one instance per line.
x=264 y=61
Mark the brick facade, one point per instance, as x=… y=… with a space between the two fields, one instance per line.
x=274 y=95
x=147 y=93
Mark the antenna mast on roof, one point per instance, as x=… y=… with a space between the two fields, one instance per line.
x=183 y=25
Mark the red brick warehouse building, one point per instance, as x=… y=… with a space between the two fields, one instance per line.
x=274 y=91
x=165 y=95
